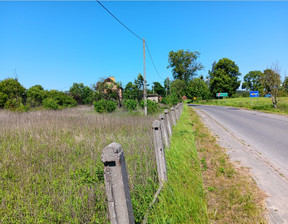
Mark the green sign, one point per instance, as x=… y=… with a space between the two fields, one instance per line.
x=221 y=94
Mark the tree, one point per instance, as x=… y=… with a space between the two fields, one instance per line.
x=158 y=88
x=82 y=94
x=178 y=87
x=285 y=84
x=197 y=88
x=271 y=80
x=35 y=95
x=224 y=77
x=252 y=81
x=62 y=99
x=12 y=93
x=139 y=82
x=131 y=91
x=184 y=65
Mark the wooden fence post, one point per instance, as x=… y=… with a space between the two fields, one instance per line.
x=117 y=185
x=169 y=129
x=159 y=151
x=164 y=130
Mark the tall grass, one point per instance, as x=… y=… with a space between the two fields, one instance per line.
x=262 y=104
x=50 y=167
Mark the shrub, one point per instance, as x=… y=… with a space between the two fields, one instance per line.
x=130 y=105
x=63 y=100
x=11 y=90
x=35 y=95
x=105 y=106
x=170 y=100
x=3 y=99
x=50 y=103
x=15 y=105
x=152 y=106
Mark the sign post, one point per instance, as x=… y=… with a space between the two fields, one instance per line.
x=222 y=95
x=254 y=94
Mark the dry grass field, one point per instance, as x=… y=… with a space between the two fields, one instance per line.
x=51 y=169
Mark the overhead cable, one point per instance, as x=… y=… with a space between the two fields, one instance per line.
x=120 y=21
x=134 y=35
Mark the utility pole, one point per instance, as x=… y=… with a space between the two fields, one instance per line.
x=144 y=92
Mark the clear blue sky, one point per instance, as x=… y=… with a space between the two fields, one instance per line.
x=57 y=43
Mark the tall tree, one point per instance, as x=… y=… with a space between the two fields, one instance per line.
x=158 y=88
x=224 y=77
x=131 y=91
x=184 y=64
x=285 y=84
x=197 y=88
x=252 y=81
x=178 y=87
x=81 y=93
x=271 y=80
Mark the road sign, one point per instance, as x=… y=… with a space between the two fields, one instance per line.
x=221 y=94
x=254 y=93
x=268 y=95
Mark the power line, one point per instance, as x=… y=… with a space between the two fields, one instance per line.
x=134 y=35
x=153 y=61
x=120 y=21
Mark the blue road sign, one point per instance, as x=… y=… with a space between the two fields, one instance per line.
x=268 y=95
x=254 y=93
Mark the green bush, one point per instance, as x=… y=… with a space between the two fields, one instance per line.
x=35 y=95
x=3 y=99
x=15 y=105
x=170 y=100
x=130 y=105
x=105 y=106
x=152 y=106
x=12 y=93
x=63 y=100
x=50 y=103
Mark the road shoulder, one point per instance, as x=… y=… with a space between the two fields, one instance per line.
x=245 y=156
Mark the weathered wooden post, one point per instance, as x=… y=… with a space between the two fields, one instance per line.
x=169 y=129
x=117 y=185
x=173 y=118
x=159 y=152
x=164 y=130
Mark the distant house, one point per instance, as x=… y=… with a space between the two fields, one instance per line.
x=110 y=84
x=153 y=97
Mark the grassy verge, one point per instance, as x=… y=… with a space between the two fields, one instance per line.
x=263 y=104
x=232 y=195
x=203 y=185
x=183 y=197
x=51 y=170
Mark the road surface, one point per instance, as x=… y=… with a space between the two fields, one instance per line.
x=259 y=141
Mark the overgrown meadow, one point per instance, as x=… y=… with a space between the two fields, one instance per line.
x=51 y=169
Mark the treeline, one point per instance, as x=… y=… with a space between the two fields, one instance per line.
x=108 y=94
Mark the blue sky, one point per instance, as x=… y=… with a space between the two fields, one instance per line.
x=55 y=44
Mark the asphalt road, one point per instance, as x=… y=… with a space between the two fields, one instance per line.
x=259 y=141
